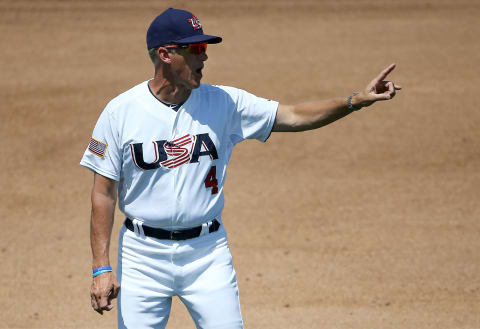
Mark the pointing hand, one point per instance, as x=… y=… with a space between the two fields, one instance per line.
x=377 y=90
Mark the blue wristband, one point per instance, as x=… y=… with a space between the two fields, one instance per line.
x=101 y=272
x=102 y=268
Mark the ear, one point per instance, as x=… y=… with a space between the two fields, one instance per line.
x=164 y=55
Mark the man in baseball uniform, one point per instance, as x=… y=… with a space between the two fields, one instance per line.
x=162 y=149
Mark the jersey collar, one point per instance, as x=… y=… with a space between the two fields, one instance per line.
x=174 y=107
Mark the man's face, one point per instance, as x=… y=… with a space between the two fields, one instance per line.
x=187 y=68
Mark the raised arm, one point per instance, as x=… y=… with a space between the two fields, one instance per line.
x=104 y=286
x=314 y=115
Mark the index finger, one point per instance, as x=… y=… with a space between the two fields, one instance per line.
x=103 y=303
x=385 y=72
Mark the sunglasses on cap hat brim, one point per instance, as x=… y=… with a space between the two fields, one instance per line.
x=191 y=48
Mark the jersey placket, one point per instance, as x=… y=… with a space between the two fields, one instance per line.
x=176 y=171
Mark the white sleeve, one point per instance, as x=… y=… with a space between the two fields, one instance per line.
x=253 y=117
x=104 y=154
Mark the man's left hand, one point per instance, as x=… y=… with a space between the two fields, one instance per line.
x=377 y=90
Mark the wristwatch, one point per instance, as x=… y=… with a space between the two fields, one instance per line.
x=350 y=106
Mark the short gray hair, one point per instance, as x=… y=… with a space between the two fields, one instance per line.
x=152 y=53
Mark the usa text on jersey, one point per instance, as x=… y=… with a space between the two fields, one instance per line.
x=171 y=154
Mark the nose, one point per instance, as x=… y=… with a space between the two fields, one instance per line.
x=203 y=56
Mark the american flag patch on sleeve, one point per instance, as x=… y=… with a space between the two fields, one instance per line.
x=97 y=147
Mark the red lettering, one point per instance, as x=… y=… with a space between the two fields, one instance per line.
x=211 y=180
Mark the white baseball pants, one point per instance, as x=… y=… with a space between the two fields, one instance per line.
x=199 y=271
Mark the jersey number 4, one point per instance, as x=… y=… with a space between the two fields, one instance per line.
x=211 y=180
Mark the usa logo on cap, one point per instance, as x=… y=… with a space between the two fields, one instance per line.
x=195 y=22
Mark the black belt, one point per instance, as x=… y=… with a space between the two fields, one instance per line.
x=161 y=234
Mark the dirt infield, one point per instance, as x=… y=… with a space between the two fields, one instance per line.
x=371 y=222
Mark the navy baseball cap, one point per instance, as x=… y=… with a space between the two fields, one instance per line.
x=176 y=26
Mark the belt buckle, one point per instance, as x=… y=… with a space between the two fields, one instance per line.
x=173 y=232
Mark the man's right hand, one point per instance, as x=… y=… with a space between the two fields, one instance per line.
x=105 y=288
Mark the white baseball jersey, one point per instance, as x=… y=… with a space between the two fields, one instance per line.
x=171 y=165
